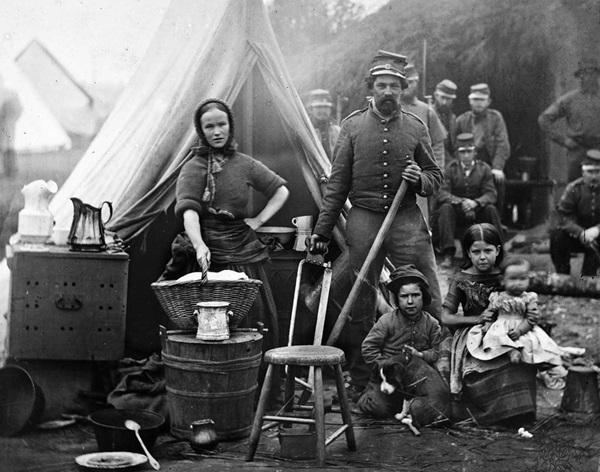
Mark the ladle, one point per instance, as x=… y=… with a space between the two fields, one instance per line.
x=132 y=425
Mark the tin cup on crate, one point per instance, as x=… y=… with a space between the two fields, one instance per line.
x=213 y=320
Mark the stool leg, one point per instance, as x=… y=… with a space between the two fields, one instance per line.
x=260 y=412
x=290 y=389
x=345 y=408
x=319 y=416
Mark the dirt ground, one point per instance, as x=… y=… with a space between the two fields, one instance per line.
x=561 y=441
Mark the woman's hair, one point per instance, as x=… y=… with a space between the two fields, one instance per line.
x=514 y=261
x=483 y=232
x=212 y=104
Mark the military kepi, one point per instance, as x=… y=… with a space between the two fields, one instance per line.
x=319 y=98
x=479 y=91
x=465 y=142
x=591 y=159
x=410 y=71
x=446 y=88
x=388 y=63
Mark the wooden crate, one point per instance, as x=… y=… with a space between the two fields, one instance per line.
x=67 y=305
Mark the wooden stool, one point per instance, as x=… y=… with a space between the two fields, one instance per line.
x=581 y=391
x=304 y=356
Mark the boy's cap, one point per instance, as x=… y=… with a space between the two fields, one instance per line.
x=465 y=141
x=406 y=274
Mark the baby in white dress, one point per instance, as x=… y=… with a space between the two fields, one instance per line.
x=515 y=330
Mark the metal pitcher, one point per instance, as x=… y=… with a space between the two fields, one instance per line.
x=87 y=229
x=213 y=320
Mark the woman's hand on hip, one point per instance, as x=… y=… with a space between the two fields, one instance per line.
x=254 y=223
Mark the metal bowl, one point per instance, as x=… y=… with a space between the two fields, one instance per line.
x=283 y=234
x=22 y=401
x=112 y=435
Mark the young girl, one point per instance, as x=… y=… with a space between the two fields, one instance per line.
x=515 y=330
x=469 y=288
x=491 y=391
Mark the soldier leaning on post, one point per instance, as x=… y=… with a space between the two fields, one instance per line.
x=378 y=148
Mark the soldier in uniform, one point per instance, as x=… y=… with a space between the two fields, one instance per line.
x=491 y=138
x=410 y=103
x=467 y=196
x=580 y=109
x=319 y=107
x=578 y=228
x=379 y=147
x=443 y=97
x=425 y=112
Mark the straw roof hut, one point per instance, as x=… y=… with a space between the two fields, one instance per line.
x=525 y=51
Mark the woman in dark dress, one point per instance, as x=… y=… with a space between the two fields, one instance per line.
x=213 y=192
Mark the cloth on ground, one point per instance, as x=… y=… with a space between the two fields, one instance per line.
x=142 y=386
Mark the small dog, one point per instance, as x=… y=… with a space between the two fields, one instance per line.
x=420 y=392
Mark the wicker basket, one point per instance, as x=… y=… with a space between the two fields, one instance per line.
x=178 y=299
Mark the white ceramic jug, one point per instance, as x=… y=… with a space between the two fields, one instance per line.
x=35 y=220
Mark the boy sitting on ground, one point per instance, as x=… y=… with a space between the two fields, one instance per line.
x=408 y=330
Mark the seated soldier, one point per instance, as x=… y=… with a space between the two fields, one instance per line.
x=467 y=196
x=579 y=220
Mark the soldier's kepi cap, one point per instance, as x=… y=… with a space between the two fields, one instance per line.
x=388 y=63
x=591 y=160
x=479 y=91
x=446 y=88
x=410 y=71
x=319 y=97
x=465 y=142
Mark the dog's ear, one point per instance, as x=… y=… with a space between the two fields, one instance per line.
x=386 y=369
x=400 y=373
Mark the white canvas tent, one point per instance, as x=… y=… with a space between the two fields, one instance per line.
x=70 y=102
x=37 y=129
x=202 y=49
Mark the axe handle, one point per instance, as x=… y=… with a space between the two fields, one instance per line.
x=387 y=222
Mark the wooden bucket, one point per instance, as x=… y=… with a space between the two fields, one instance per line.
x=211 y=380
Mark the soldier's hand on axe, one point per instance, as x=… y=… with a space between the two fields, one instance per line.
x=317 y=244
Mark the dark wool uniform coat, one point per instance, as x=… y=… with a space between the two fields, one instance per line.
x=370 y=155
